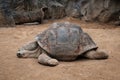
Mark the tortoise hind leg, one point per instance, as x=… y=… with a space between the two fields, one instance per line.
x=46 y=60
x=96 y=55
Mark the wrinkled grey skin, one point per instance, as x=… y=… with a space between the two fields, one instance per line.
x=62 y=41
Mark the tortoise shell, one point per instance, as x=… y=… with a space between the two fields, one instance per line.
x=65 y=41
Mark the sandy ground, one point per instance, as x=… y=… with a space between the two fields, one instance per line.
x=11 y=68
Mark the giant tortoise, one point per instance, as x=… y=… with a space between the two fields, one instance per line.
x=62 y=41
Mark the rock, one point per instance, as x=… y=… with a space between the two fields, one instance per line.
x=117 y=23
x=24 y=5
x=73 y=8
x=102 y=10
x=88 y=10
x=6 y=14
x=21 y=17
x=55 y=9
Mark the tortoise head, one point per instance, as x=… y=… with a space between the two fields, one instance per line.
x=30 y=50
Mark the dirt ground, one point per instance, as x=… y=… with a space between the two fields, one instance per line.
x=11 y=68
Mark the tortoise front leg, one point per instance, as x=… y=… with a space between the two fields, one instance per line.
x=47 y=60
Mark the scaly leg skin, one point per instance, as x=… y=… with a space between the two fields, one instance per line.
x=46 y=60
x=96 y=54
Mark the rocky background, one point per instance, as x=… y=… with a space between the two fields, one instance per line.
x=106 y=11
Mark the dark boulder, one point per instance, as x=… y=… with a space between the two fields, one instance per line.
x=101 y=10
x=21 y=17
x=88 y=10
x=6 y=18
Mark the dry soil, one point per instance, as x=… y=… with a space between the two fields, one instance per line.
x=106 y=36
